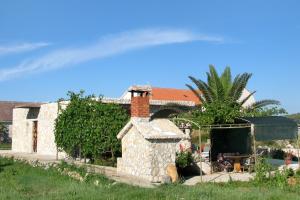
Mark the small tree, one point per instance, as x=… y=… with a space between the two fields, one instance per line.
x=88 y=128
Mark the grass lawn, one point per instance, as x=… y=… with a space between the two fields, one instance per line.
x=21 y=181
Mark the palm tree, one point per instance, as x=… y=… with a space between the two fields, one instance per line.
x=223 y=89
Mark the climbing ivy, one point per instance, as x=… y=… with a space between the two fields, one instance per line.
x=88 y=128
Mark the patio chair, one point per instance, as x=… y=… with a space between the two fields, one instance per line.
x=248 y=165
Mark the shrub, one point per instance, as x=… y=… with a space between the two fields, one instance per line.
x=184 y=159
x=262 y=171
x=278 y=178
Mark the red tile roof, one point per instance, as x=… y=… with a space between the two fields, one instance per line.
x=174 y=94
x=6 y=109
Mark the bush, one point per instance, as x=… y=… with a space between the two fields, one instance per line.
x=262 y=171
x=298 y=172
x=184 y=159
x=264 y=176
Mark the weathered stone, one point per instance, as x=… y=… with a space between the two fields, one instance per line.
x=147 y=148
x=166 y=180
x=22 y=131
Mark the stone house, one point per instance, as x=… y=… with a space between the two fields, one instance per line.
x=6 y=117
x=148 y=146
x=33 y=124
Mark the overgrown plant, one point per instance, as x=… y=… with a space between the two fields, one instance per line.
x=184 y=159
x=88 y=128
x=262 y=171
x=278 y=178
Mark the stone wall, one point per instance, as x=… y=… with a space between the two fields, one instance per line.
x=163 y=153
x=46 y=124
x=22 y=131
x=22 y=136
x=147 y=159
x=136 y=159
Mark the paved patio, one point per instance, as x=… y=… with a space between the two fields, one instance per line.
x=27 y=156
x=221 y=177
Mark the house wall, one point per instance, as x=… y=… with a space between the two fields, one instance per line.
x=46 y=124
x=22 y=136
x=22 y=131
x=136 y=156
x=147 y=159
x=163 y=153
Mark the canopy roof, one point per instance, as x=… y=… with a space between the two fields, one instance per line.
x=273 y=128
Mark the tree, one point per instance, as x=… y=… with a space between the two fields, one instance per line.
x=88 y=127
x=221 y=96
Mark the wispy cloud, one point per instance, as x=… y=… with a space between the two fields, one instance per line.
x=105 y=47
x=18 y=48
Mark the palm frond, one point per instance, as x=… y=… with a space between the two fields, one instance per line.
x=226 y=80
x=243 y=101
x=240 y=85
x=263 y=103
x=196 y=92
x=204 y=89
x=165 y=111
x=216 y=83
x=234 y=86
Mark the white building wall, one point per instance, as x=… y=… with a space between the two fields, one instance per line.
x=22 y=135
x=46 y=125
x=22 y=131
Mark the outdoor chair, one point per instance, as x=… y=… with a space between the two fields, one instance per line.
x=247 y=165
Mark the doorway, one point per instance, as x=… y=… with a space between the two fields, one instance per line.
x=35 y=136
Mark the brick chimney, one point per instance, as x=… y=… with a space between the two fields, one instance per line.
x=140 y=101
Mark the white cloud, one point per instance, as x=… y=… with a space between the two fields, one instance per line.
x=18 y=48
x=105 y=47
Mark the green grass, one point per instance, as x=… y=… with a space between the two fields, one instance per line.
x=21 y=181
x=5 y=146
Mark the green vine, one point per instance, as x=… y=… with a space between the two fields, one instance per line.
x=88 y=128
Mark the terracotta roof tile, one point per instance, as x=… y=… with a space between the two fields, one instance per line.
x=174 y=94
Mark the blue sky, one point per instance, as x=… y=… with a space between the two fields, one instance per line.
x=50 y=47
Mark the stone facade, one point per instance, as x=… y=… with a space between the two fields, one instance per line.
x=46 y=124
x=22 y=138
x=135 y=149
x=148 y=147
x=22 y=131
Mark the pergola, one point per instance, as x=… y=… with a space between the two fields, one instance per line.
x=257 y=128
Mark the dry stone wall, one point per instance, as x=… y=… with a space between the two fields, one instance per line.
x=147 y=159
x=163 y=153
x=136 y=159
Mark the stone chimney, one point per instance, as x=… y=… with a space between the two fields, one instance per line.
x=140 y=101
